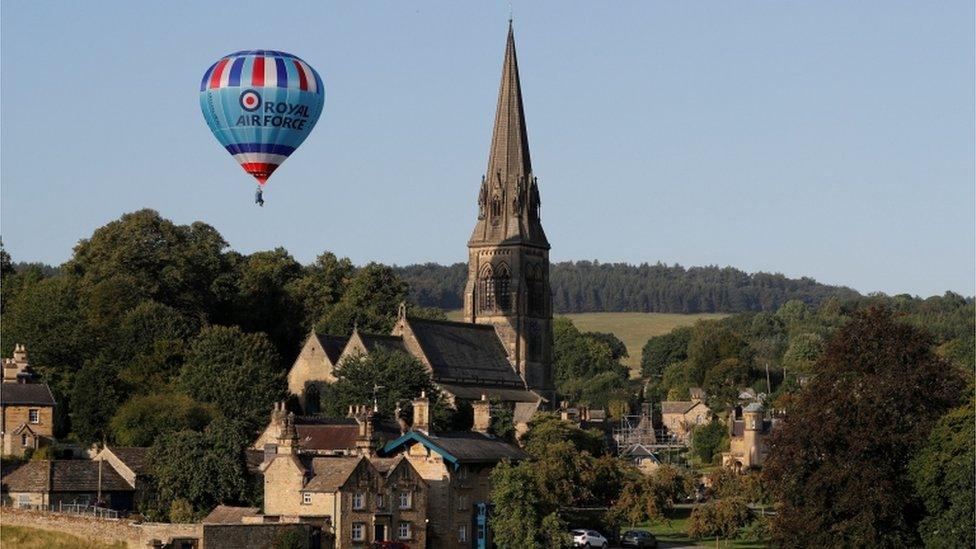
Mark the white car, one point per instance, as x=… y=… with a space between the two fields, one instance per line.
x=589 y=538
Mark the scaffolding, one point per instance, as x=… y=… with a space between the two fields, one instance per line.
x=635 y=436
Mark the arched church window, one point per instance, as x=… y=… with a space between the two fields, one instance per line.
x=486 y=286
x=496 y=207
x=503 y=293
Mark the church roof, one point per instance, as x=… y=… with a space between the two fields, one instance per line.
x=333 y=345
x=373 y=342
x=12 y=394
x=464 y=353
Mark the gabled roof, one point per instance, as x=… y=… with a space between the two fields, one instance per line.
x=38 y=394
x=332 y=345
x=64 y=475
x=679 y=406
x=464 y=353
x=339 y=433
x=373 y=342
x=134 y=457
x=459 y=447
x=225 y=514
x=330 y=473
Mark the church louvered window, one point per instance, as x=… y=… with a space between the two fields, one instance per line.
x=495 y=294
x=537 y=291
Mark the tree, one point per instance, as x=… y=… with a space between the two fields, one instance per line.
x=264 y=302
x=943 y=473
x=370 y=302
x=721 y=518
x=709 y=439
x=803 y=352
x=320 y=286
x=617 y=348
x=203 y=468
x=95 y=396
x=710 y=343
x=150 y=344
x=838 y=467
x=397 y=377
x=518 y=519
x=651 y=497
x=143 y=419
x=662 y=351
x=239 y=373
x=177 y=265
x=546 y=429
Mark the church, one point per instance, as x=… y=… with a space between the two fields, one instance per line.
x=502 y=350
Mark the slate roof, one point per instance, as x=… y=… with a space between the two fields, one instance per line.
x=385 y=342
x=134 y=457
x=225 y=514
x=330 y=473
x=66 y=475
x=465 y=353
x=461 y=446
x=340 y=433
x=254 y=459
x=677 y=406
x=25 y=394
x=501 y=393
x=333 y=345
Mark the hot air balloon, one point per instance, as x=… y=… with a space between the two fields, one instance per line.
x=261 y=105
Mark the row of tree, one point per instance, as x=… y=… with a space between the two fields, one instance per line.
x=591 y=286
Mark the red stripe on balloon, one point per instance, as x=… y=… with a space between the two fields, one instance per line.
x=260 y=170
x=302 y=79
x=257 y=75
x=217 y=72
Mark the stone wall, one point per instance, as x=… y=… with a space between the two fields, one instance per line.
x=135 y=535
x=258 y=536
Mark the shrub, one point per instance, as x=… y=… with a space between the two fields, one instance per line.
x=720 y=518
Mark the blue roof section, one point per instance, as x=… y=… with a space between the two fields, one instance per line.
x=417 y=436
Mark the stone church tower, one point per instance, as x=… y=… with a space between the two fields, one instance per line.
x=508 y=253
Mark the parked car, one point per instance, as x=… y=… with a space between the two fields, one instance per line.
x=589 y=538
x=638 y=538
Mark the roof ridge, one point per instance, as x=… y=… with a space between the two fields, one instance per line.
x=451 y=323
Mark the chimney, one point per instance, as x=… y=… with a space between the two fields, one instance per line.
x=482 y=415
x=421 y=413
x=288 y=439
x=366 y=441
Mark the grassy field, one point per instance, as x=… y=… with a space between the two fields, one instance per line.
x=672 y=534
x=634 y=329
x=21 y=537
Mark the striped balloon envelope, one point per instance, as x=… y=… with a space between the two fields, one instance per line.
x=261 y=105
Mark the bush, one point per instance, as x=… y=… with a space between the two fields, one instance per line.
x=181 y=511
x=721 y=518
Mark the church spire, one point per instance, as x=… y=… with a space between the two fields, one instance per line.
x=508 y=201
x=509 y=157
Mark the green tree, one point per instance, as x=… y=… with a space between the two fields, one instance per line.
x=664 y=350
x=879 y=391
x=204 y=468
x=320 y=286
x=143 y=419
x=150 y=344
x=720 y=518
x=370 y=302
x=546 y=430
x=239 y=373
x=617 y=348
x=943 y=473
x=397 y=377
x=709 y=440
x=803 y=352
x=517 y=521
x=94 y=398
x=265 y=303
x=651 y=497
x=711 y=342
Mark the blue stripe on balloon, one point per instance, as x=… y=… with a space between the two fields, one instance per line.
x=282 y=73
x=206 y=77
x=270 y=148
x=235 y=72
x=319 y=88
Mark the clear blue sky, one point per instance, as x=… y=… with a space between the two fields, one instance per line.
x=829 y=139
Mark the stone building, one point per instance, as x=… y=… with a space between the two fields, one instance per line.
x=503 y=348
x=748 y=433
x=681 y=416
x=26 y=407
x=67 y=482
x=457 y=467
x=330 y=436
x=357 y=499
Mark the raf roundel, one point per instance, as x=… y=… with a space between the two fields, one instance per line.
x=261 y=105
x=250 y=100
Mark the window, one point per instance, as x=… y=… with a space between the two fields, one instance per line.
x=23 y=500
x=23 y=440
x=358 y=531
x=306 y=498
x=403 y=530
x=462 y=533
x=495 y=292
x=358 y=501
x=34 y=416
x=462 y=502
x=379 y=501
x=406 y=500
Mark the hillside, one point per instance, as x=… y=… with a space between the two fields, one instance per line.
x=634 y=329
x=591 y=286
